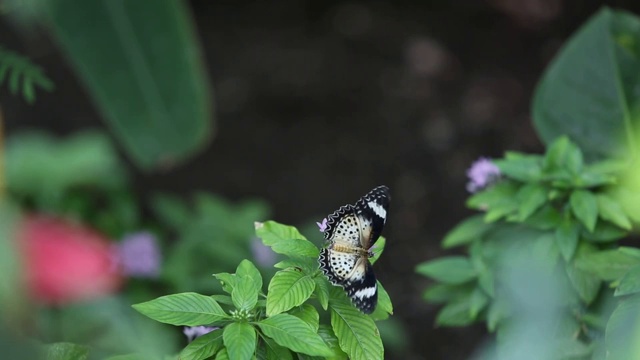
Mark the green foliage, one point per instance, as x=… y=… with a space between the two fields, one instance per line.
x=153 y=94
x=22 y=75
x=66 y=351
x=284 y=321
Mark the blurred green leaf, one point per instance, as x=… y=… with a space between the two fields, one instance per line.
x=530 y=198
x=66 y=351
x=146 y=76
x=456 y=313
x=608 y=265
x=588 y=91
x=611 y=211
x=585 y=207
x=604 y=232
x=240 y=340
x=623 y=329
x=466 y=231
x=477 y=302
x=188 y=309
x=522 y=167
x=630 y=283
x=448 y=270
x=441 y=293
x=562 y=154
x=567 y=235
x=585 y=284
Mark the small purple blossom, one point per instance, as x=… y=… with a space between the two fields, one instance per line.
x=193 y=332
x=139 y=255
x=323 y=225
x=262 y=254
x=481 y=174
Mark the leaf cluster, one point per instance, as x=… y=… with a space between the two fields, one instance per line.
x=281 y=322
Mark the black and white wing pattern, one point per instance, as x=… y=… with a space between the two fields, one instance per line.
x=351 y=231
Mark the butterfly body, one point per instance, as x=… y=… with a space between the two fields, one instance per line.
x=351 y=232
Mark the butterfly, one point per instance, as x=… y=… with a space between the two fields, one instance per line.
x=351 y=231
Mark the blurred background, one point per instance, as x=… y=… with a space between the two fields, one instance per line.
x=317 y=102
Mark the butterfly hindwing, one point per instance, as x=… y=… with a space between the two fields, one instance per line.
x=336 y=265
x=362 y=287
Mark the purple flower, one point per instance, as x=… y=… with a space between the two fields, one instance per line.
x=322 y=225
x=482 y=173
x=139 y=255
x=262 y=254
x=193 y=332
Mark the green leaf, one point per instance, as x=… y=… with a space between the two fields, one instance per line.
x=585 y=207
x=66 y=351
x=272 y=232
x=563 y=154
x=203 y=347
x=466 y=231
x=441 y=293
x=222 y=355
x=457 y=313
x=377 y=249
x=158 y=102
x=273 y=351
x=296 y=247
x=585 y=284
x=240 y=340
x=308 y=314
x=498 y=196
x=630 y=283
x=587 y=94
x=530 y=197
x=329 y=337
x=611 y=211
x=604 y=232
x=567 y=237
x=295 y=334
x=546 y=218
x=322 y=291
x=477 y=302
x=496 y=313
x=248 y=286
x=188 y=309
x=448 y=270
x=287 y=289
x=608 y=265
x=384 y=301
x=623 y=329
x=228 y=281
x=522 y=167
x=357 y=334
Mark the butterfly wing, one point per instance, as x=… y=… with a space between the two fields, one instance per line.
x=371 y=211
x=342 y=226
x=361 y=286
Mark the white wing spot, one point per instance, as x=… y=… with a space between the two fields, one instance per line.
x=365 y=293
x=379 y=210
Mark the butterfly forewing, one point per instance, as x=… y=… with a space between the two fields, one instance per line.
x=351 y=231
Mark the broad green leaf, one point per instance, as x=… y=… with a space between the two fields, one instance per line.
x=308 y=314
x=523 y=167
x=296 y=247
x=240 y=340
x=227 y=280
x=563 y=154
x=153 y=94
x=448 y=270
x=457 y=313
x=306 y=264
x=629 y=200
x=222 y=299
x=630 y=283
x=611 y=211
x=546 y=218
x=248 y=286
x=486 y=281
x=273 y=351
x=222 y=355
x=329 y=337
x=357 y=334
x=384 y=301
x=566 y=236
x=608 y=265
x=188 y=309
x=466 y=231
x=322 y=291
x=295 y=334
x=203 y=347
x=585 y=284
x=66 y=351
x=500 y=195
x=442 y=293
x=496 y=313
x=623 y=329
x=272 y=232
x=585 y=92
x=288 y=288
x=585 y=207
x=377 y=249
x=530 y=197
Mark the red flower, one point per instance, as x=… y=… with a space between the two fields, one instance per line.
x=65 y=262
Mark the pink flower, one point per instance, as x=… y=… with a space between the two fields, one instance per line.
x=139 y=255
x=193 y=332
x=323 y=225
x=65 y=262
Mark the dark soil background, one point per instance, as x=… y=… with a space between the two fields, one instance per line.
x=319 y=101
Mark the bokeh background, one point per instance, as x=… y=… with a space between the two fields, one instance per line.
x=319 y=101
